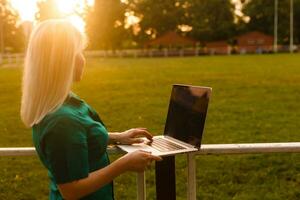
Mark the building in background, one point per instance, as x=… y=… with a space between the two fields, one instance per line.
x=171 y=40
x=217 y=47
x=254 y=42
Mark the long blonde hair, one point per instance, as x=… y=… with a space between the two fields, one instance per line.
x=49 y=66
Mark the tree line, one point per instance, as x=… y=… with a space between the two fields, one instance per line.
x=117 y=24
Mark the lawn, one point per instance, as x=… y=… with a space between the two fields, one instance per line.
x=255 y=99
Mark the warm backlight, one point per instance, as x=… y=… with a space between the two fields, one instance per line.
x=69 y=8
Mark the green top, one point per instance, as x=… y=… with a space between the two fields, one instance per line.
x=71 y=142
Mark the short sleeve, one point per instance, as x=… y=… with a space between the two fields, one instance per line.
x=66 y=151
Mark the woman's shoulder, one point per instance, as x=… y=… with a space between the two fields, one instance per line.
x=63 y=116
x=60 y=125
x=64 y=112
x=66 y=115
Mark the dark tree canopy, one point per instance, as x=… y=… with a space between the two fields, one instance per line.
x=297 y=21
x=207 y=19
x=160 y=16
x=212 y=19
x=261 y=13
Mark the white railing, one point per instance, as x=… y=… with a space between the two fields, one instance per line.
x=206 y=149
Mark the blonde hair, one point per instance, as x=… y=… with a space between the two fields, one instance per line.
x=49 y=68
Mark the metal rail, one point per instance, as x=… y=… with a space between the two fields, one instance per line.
x=206 y=149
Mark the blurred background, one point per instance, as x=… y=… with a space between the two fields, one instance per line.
x=247 y=51
x=211 y=26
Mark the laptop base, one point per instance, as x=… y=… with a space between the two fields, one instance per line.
x=145 y=147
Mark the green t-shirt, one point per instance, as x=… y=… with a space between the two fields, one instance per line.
x=71 y=142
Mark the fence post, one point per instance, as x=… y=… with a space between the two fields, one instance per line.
x=150 y=53
x=135 y=53
x=9 y=58
x=120 y=53
x=141 y=186
x=191 y=182
x=181 y=52
x=166 y=53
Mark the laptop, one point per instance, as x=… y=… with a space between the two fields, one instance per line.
x=184 y=125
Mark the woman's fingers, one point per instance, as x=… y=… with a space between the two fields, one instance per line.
x=156 y=158
x=152 y=157
x=146 y=159
x=137 y=140
x=143 y=132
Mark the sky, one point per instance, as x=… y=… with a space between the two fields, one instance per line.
x=28 y=8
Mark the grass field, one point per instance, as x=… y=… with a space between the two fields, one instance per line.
x=255 y=99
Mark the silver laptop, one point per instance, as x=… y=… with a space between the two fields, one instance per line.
x=184 y=125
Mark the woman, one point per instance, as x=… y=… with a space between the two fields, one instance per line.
x=68 y=135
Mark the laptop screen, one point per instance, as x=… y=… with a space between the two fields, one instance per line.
x=187 y=113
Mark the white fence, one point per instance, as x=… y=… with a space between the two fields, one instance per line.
x=146 y=53
x=16 y=59
x=206 y=149
x=11 y=59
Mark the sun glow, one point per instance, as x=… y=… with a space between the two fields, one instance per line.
x=26 y=8
x=66 y=6
x=69 y=8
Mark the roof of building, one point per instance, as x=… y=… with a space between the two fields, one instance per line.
x=221 y=43
x=171 y=38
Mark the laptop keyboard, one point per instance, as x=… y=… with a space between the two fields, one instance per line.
x=163 y=145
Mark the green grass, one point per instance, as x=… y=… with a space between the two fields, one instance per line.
x=255 y=99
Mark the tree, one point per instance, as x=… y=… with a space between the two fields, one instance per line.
x=261 y=13
x=160 y=16
x=297 y=21
x=105 y=24
x=212 y=19
x=203 y=19
x=11 y=37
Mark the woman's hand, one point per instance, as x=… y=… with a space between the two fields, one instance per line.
x=131 y=136
x=138 y=160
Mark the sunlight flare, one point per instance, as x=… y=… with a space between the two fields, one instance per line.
x=27 y=10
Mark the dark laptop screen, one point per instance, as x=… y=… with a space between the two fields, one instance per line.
x=187 y=113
